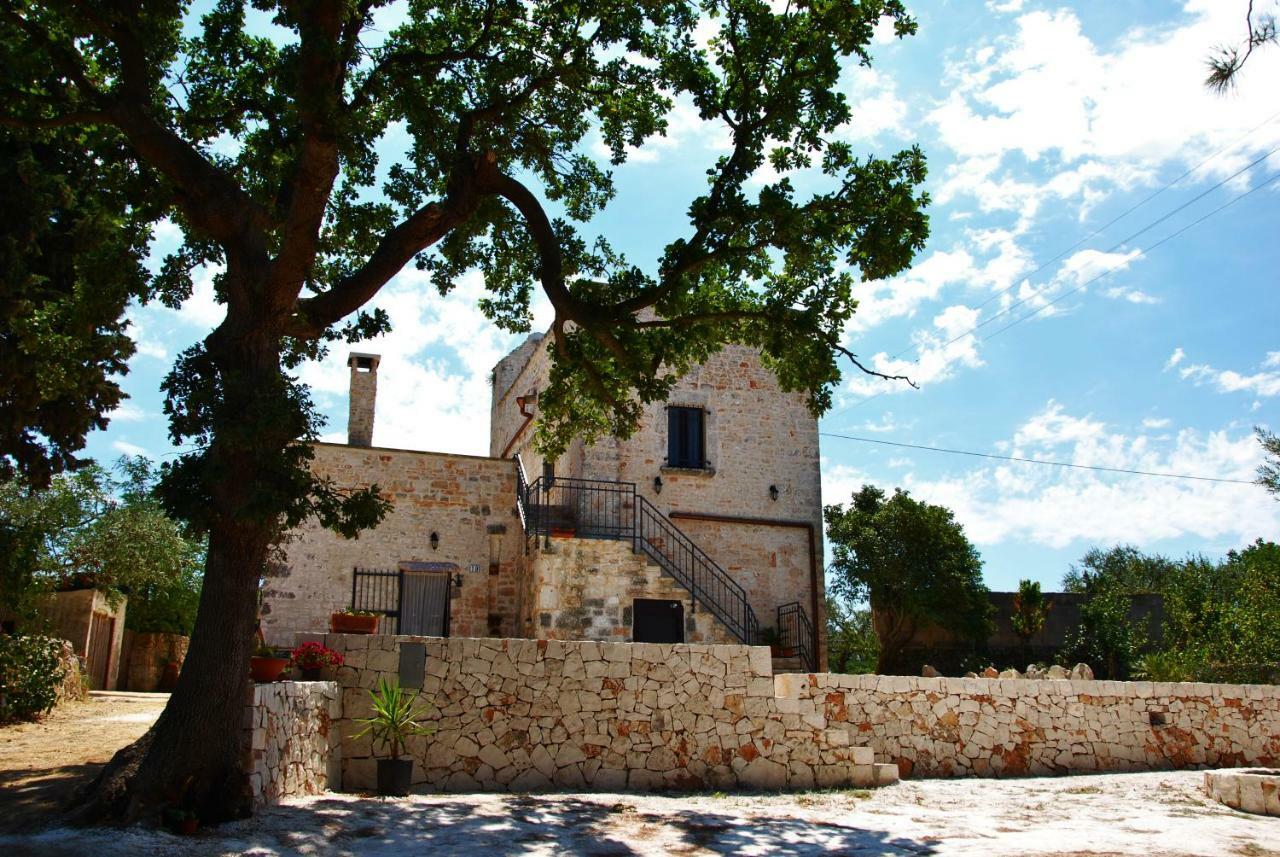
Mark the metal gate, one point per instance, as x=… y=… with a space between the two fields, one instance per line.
x=102 y=629
x=415 y=599
x=424 y=603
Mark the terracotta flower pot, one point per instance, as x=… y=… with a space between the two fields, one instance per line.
x=347 y=623
x=562 y=532
x=265 y=670
x=188 y=826
x=394 y=777
x=310 y=673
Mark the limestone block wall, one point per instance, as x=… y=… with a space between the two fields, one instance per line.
x=145 y=655
x=582 y=589
x=995 y=727
x=468 y=501
x=291 y=747
x=529 y=714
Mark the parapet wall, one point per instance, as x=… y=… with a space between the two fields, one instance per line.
x=529 y=714
x=290 y=746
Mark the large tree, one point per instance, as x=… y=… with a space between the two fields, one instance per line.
x=912 y=562
x=271 y=154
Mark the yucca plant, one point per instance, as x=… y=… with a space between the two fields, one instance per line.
x=395 y=717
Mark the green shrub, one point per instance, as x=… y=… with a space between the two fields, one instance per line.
x=30 y=675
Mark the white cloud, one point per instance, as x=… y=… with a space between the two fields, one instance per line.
x=686 y=131
x=1005 y=6
x=940 y=352
x=126 y=448
x=128 y=412
x=1156 y=422
x=874 y=102
x=433 y=389
x=1133 y=296
x=1058 y=507
x=1262 y=383
x=1175 y=358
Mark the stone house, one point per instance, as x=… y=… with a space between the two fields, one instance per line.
x=704 y=526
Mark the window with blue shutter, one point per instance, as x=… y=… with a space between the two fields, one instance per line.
x=685 y=438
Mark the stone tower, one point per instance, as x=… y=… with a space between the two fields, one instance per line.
x=364 y=392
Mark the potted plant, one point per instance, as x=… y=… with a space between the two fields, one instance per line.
x=311 y=657
x=265 y=665
x=394 y=721
x=563 y=532
x=350 y=621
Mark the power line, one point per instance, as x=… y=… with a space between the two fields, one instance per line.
x=1037 y=460
x=1099 y=276
x=1141 y=253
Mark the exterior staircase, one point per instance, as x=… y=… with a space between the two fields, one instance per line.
x=602 y=509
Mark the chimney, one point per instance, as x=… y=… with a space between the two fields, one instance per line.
x=364 y=391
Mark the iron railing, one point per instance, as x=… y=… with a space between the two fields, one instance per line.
x=795 y=634
x=600 y=509
x=378 y=591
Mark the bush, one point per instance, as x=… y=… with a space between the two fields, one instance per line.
x=30 y=674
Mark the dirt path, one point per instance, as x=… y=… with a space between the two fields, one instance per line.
x=1137 y=815
x=42 y=763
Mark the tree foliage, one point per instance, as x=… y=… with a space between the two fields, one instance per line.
x=912 y=562
x=90 y=529
x=852 y=646
x=1269 y=470
x=1030 y=610
x=1227 y=60
x=266 y=132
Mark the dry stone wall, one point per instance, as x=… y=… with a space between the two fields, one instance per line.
x=531 y=714
x=1006 y=727
x=291 y=747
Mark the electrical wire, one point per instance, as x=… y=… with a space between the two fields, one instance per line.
x=1020 y=459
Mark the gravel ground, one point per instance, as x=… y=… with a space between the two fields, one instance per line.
x=1150 y=814
x=43 y=762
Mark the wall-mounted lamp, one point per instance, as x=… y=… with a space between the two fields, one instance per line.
x=457 y=580
x=657 y=485
x=773 y=492
x=435 y=540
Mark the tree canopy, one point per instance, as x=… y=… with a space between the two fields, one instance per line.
x=261 y=130
x=912 y=562
x=89 y=529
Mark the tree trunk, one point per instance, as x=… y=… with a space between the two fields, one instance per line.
x=192 y=757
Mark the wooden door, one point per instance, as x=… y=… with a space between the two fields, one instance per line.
x=102 y=630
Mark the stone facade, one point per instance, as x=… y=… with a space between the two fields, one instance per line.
x=468 y=502
x=581 y=589
x=363 y=400
x=291 y=747
x=145 y=656
x=523 y=715
x=757 y=438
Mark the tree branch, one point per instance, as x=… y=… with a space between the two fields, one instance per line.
x=854 y=360
x=78 y=117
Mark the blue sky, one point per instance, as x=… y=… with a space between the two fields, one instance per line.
x=1042 y=122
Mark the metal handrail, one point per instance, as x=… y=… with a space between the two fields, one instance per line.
x=604 y=509
x=795 y=632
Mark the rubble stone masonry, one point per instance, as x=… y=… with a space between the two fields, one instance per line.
x=528 y=714
x=291 y=747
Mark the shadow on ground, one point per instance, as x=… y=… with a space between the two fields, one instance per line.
x=32 y=799
x=516 y=825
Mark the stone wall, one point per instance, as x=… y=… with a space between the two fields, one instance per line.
x=291 y=747
x=581 y=589
x=469 y=502
x=1003 y=727
x=527 y=714
x=144 y=656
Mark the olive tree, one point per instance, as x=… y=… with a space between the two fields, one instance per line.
x=258 y=129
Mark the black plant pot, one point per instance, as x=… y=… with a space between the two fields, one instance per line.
x=394 y=776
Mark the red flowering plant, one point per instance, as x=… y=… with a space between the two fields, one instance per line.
x=313 y=656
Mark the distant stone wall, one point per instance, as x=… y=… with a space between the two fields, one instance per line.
x=72 y=684
x=529 y=714
x=291 y=747
x=585 y=589
x=145 y=655
x=1003 y=727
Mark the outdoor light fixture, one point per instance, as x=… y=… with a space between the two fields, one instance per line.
x=457 y=580
x=657 y=485
x=435 y=540
x=773 y=492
